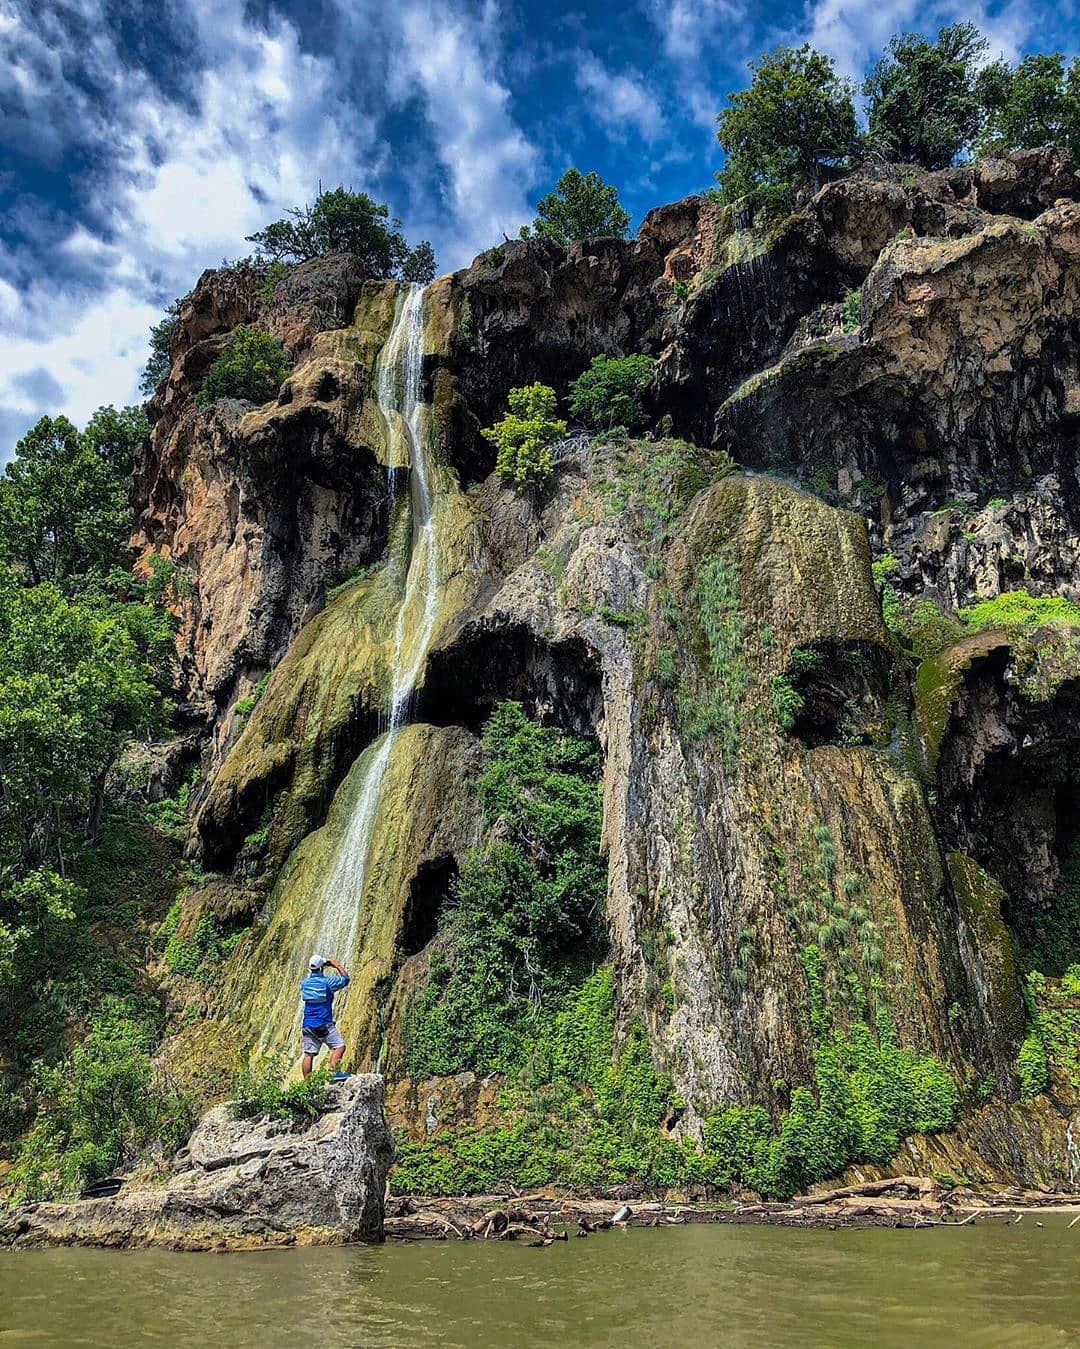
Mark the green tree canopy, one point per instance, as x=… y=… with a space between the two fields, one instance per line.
x=923 y=106
x=340 y=221
x=1034 y=103
x=64 y=514
x=252 y=367
x=582 y=206
x=796 y=120
x=613 y=392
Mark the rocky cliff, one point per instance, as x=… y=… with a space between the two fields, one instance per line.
x=839 y=801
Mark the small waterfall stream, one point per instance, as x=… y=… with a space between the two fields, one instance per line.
x=321 y=903
x=397 y=391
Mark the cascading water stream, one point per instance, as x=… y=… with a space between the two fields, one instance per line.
x=397 y=391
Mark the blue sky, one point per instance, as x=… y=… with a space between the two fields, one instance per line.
x=141 y=141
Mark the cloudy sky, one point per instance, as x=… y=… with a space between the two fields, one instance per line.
x=141 y=142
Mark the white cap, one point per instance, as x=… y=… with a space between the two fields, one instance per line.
x=317 y=962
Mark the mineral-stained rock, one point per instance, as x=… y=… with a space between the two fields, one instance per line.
x=243 y=1184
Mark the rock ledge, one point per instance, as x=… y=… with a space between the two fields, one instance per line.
x=243 y=1184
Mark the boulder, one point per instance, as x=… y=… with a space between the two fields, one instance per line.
x=242 y=1185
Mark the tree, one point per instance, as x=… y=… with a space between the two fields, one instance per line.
x=525 y=435
x=64 y=514
x=923 y=106
x=159 y=362
x=251 y=367
x=340 y=221
x=613 y=392
x=419 y=266
x=1034 y=103
x=795 y=121
x=582 y=206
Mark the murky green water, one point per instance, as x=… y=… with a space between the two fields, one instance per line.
x=689 y=1286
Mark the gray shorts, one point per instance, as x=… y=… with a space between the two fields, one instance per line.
x=331 y=1038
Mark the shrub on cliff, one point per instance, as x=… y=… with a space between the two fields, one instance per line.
x=524 y=437
x=794 y=123
x=923 y=103
x=251 y=367
x=1034 y=103
x=582 y=206
x=340 y=221
x=613 y=392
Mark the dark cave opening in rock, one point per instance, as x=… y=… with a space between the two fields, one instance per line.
x=1009 y=777
x=557 y=682
x=429 y=890
x=839 y=693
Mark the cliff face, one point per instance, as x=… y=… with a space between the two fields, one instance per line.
x=895 y=370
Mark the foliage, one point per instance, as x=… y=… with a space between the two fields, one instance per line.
x=198 y=953
x=794 y=123
x=1034 y=103
x=717 y=711
x=170 y=814
x=419 y=265
x=257 y=1091
x=524 y=437
x=104 y=1110
x=63 y=501
x=524 y=906
x=162 y=335
x=1032 y=1067
x=251 y=367
x=340 y=221
x=923 y=106
x=582 y=206
x=275 y=274
x=1016 y=608
x=613 y=392
x=852 y=315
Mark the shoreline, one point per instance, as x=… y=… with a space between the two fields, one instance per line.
x=542 y=1217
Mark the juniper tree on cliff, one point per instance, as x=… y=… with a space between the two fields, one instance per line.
x=923 y=103
x=582 y=206
x=340 y=221
x=793 y=124
x=1034 y=103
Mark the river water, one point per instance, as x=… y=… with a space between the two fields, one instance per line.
x=708 y=1285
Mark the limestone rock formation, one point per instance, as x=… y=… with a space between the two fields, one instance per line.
x=880 y=397
x=242 y=1185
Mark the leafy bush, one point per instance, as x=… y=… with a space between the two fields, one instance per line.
x=1032 y=1067
x=582 y=206
x=526 y=434
x=852 y=310
x=251 y=367
x=257 y=1091
x=923 y=105
x=1016 y=608
x=104 y=1110
x=340 y=221
x=795 y=121
x=613 y=392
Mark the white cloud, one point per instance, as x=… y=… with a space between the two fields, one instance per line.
x=620 y=100
x=182 y=183
x=450 y=60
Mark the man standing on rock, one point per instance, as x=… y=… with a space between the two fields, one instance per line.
x=317 y=991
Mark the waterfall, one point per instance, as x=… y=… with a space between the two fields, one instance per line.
x=397 y=392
